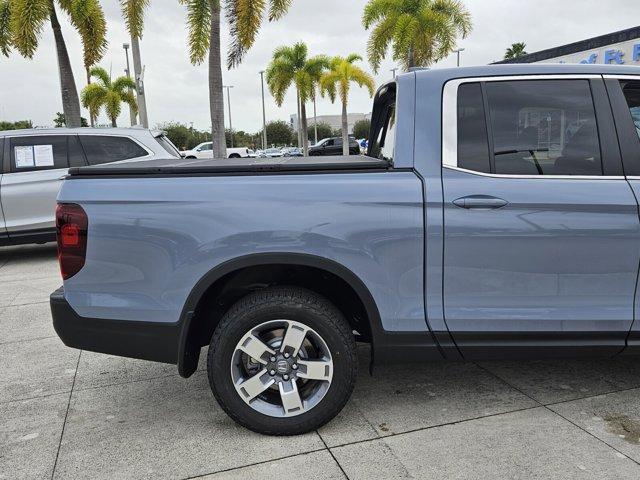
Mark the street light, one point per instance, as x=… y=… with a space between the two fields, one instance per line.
x=132 y=112
x=229 y=87
x=264 y=114
x=394 y=70
x=458 y=52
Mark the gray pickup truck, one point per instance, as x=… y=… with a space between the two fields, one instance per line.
x=495 y=216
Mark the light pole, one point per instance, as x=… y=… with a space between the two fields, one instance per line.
x=264 y=114
x=138 y=71
x=394 y=70
x=132 y=112
x=458 y=52
x=229 y=87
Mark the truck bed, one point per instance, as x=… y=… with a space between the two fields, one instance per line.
x=249 y=166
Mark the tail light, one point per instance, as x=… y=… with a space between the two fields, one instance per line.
x=71 y=230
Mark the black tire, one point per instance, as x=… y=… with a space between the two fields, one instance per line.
x=234 y=155
x=291 y=303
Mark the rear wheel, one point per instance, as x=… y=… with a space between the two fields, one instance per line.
x=282 y=361
x=234 y=155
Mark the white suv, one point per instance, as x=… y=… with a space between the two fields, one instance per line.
x=34 y=162
x=205 y=150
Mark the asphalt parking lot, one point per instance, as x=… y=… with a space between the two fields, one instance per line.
x=71 y=414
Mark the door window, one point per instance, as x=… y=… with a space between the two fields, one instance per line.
x=38 y=152
x=532 y=127
x=107 y=149
x=631 y=92
x=207 y=147
x=473 y=146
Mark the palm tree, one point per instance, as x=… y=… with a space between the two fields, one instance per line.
x=245 y=18
x=420 y=32
x=108 y=94
x=25 y=20
x=133 y=13
x=338 y=81
x=290 y=66
x=516 y=50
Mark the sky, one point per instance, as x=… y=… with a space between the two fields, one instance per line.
x=178 y=91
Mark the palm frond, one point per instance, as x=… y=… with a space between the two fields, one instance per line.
x=244 y=18
x=102 y=75
x=129 y=98
x=88 y=18
x=377 y=10
x=278 y=9
x=379 y=40
x=133 y=14
x=199 y=25
x=26 y=22
x=112 y=105
x=123 y=85
x=5 y=28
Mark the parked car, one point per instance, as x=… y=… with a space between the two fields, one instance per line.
x=35 y=160
x=273 y=153
x=205 y=150
x=333 y=146
x=292 y=152
x=461 y=236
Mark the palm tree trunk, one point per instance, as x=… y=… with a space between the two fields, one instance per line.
x=345 y=129
x=305 y=128
x=299 y=119
x=70 y=99
x=114 y=122
x=315 y=121
x=216 y=95
x=92 y=120
x=412 y=58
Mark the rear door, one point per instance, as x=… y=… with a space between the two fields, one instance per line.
x=542 y=232
x=624 y=92
x=32 y=178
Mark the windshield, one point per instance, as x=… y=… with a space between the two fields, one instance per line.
x=171 y=149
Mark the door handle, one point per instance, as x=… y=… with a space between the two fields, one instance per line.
x=480 y=202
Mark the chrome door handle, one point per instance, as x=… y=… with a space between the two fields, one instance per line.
x=480 y=202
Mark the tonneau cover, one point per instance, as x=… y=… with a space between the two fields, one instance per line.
x=176 y=166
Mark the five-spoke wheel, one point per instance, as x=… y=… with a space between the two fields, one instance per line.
x=282 y=361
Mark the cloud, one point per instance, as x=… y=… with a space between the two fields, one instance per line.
x=177 y=90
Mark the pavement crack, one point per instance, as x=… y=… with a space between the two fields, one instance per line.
x=64 y=424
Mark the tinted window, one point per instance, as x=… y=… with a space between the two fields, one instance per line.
x=37 y=152
x=106 y=149
x=76 y=156
x=206 y=147
x=387 y=139
x=168 y=145
x=632 y=94
x=473 y=146
x=544 y=127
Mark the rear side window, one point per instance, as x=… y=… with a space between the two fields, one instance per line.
x=38 y=152
x=168 y=145
x=532 y=127
x=473 y=146
x=631 y=92
x=107 y=149
x=544 y=127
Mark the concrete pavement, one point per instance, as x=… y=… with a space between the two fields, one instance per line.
x=70 y=414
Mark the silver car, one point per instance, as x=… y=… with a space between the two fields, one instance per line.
x=34 y=162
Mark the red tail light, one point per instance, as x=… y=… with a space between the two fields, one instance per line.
x=71 y=229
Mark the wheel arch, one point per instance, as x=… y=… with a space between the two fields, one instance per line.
x=205 y=290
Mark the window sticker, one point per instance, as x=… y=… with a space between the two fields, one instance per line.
x=24 y=157
x=43 y=155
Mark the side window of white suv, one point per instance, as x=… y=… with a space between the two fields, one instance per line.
x=38 y=152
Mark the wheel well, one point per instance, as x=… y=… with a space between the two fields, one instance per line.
x=234 y=155
x=230 y=288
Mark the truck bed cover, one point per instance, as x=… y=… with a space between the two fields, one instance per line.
x=175 y=166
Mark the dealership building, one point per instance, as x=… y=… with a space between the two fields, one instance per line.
x=619 y=48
